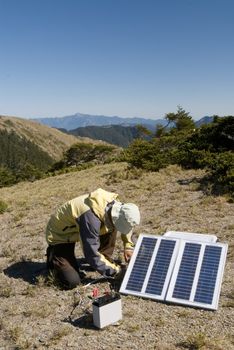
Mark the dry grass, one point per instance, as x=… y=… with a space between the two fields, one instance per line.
x=50 y=140
x=36 y=314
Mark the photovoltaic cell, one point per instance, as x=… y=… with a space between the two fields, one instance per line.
x=160 y=267
x=141 y=265
x=208 y=275
x=185 y=277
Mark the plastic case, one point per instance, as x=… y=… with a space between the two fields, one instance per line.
x=107 y=310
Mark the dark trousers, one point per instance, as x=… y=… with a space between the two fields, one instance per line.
x=62 y=261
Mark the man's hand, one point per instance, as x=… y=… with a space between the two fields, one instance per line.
x=127 y=254
x=116 y=280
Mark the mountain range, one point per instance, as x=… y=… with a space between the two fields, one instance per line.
x=79 y=120
x=115 y=130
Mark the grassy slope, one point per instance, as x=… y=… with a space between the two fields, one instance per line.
x=34 y=314
x=50 y=140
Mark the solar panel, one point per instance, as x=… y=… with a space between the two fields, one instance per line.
x=176 y=270
x=197 y=276
x=150 y=267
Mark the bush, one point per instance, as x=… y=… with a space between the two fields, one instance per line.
x=211 y=147
x=214 y=137
x=7 y=177
x=28 y=172
x=3 y=207
x=81 y=154
x=155 y=154
x=222 y=171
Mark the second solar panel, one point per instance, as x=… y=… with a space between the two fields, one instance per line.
x=198 y=273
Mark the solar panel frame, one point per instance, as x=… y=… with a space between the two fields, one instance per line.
x=218 y=279
x=191 y=236
x=143 y=293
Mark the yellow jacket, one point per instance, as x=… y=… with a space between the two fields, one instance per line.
x=84 y=219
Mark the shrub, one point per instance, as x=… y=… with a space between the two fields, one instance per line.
x=155 y=154
x=3 y=206
x=211 y=147
x=28 y=172
x=81 y=154
x=222 y=171
x=6 y=177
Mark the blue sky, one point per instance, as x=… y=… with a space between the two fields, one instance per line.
x=116 y=57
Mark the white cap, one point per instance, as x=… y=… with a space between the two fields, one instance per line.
x=125 y=216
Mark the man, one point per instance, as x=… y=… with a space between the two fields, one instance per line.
x=93 y=219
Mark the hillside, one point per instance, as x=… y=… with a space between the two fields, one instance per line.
x=38 y=315
x=115 y=134
x=18 y=153
x=28 y=149
x=204 y=120
x=51 y=141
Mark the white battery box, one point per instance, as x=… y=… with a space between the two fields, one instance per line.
x=107 y=310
